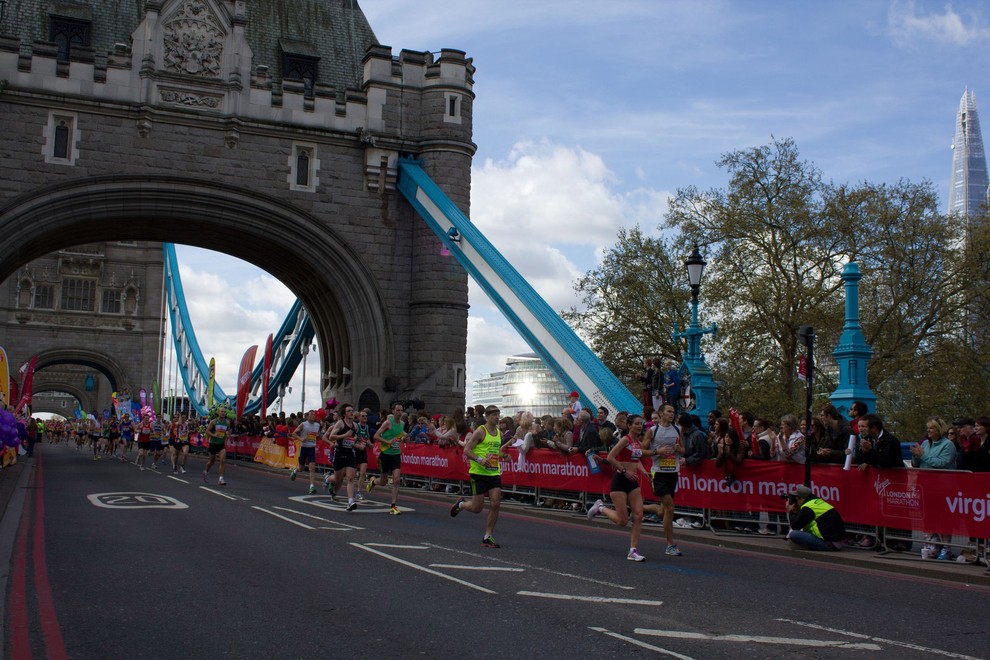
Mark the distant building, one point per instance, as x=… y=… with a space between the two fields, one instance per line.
x=969 y=183
x=526 y=384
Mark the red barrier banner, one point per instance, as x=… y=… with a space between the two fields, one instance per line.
x=940 y=501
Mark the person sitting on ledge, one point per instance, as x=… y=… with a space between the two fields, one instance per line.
x=815 y=524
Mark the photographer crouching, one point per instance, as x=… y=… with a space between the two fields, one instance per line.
x=815 y=524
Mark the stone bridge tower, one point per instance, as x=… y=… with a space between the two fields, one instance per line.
x=266 y=129
x=92 y=315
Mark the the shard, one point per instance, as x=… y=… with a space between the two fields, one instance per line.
x=968 y=187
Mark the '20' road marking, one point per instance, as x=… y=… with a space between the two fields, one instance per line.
x=135 y=501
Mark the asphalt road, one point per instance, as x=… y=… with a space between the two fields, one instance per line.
x=259 y=569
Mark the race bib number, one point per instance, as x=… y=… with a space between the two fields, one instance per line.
x=311 y=437
x=667 y=464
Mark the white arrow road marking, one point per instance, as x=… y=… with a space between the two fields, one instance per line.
x=591 y=599
x=421 y=568
x=892 y=642
x=280 y=516
x=642 y=644
x=507 y=569
x=790 y=641
x=489 y=558
x=221 y=494
x=338 y=525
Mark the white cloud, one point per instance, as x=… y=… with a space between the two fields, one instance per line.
x=225 y=326
x=906 y=26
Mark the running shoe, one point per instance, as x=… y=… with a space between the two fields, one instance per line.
x=182 y=470
x=489 y=542
x=154 y=465
x=394 y=510
x=595 y=509
x=221 y=482
x=634 y=556
x=673 y=550
x=370 y=486
x=454 y=510
x=292 y=474
x=333 y=497
x=359 y=497
x=352 y=506
x=312 y=489
x=765 y=531
x=206 y=478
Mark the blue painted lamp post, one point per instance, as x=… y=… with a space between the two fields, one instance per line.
x=693 y=367
x=852 y=354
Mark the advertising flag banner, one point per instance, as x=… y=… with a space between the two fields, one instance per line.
x=212 y=383
x=266 y=373
x=27 y=384
x=4 y=379
x=244 y=379
x=156 y=400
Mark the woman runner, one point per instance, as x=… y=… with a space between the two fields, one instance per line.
x=626 y=457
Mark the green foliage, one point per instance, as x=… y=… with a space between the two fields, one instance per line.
x=631 y=302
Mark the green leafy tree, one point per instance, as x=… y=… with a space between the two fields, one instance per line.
x=775 y=255
x=630 y=303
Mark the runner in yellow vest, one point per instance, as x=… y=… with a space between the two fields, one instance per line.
x=389 y=437
x=483 y=450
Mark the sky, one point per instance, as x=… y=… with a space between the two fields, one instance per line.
x=590 y=115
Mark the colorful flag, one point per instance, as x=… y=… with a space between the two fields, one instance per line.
x=244 y=379
x=212 y=384
x=27 y=384
x=5 y=379
x=156 y=399
x=266 y=374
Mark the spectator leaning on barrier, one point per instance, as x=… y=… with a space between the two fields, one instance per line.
x=978 y=460
x=832 y=448
x=695 y=450
x=815 y=524
x=877 y=447
x=936 y=452
x=965 y=441
x=856 y=412
x=602 y=420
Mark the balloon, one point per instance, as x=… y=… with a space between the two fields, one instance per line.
x=321 y=414
x=332 y=403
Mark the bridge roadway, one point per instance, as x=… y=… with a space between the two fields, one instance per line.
x=260 y=570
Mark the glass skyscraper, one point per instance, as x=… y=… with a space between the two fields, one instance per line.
x=968 y=187
x=526 y=384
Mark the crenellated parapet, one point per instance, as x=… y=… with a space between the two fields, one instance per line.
x=194 y=57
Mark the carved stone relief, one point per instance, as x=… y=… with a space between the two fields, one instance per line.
x=193 y=40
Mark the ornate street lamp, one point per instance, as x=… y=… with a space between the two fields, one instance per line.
x=695 y=375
